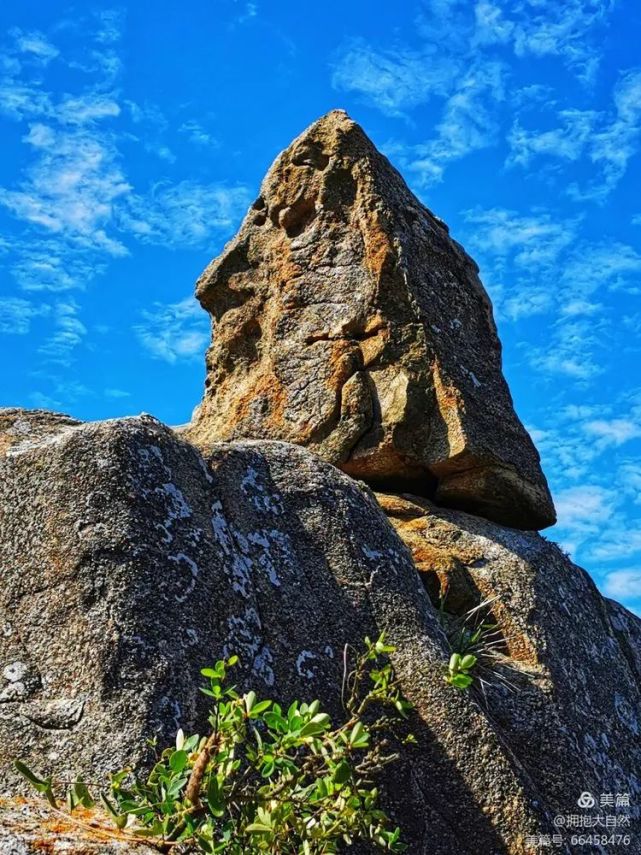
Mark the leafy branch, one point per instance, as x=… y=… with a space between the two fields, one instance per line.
x=265 y=779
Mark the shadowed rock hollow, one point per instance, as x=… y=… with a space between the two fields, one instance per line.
x=347 y=320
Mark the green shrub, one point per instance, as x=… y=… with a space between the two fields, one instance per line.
x=266 y=779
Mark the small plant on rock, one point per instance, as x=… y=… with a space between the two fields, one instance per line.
x=476 y=643
x=458 y=670
x=266 y=779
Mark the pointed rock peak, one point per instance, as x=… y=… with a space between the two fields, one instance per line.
x=348 y=321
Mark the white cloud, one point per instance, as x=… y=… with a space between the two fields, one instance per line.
x=593 y=266
x=71 y=187
x=195 y=132
x=86 y=109
x=393 y=81
x=536 y=238
x=608 y=139
x=619 y=543
x=110 y=25
x=183 y=214
x=16 y=315
x=583 y=512
x=68 y=334
x=468 y=122
x=567 y=142
x=569 y=352
x=532 y=245
x=623 y=584
x=613 y=431
x=35 y=44
x=174 y=331
x=585 y=507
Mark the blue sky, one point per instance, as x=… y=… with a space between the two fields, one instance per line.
x=135 y=135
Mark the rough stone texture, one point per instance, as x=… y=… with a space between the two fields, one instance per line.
x=575 y=720
x=22 y=426
x=29 y=827
x=128 y=562
x=347 y=320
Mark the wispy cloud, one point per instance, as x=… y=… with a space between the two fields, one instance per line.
x=468 y=122
x=539 y=265
x=393 y=81
x=68 y=334
x=16 y=315
x=567 y=30
x=195 y=133
x=174 y=331
x=75 y=196
x=457 y=61
x=35 y=44
x=567 y=141
x=589 y=451
x=607 y=139
x=70 y=189
x=183 y=214
x=623 y=584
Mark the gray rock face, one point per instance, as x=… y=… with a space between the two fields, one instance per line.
x=129 y=562
x=574 y=720
x=348 y=321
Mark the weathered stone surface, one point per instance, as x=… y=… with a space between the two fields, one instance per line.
x=128 y=562
x=29 y=827
x=24 y=426
x=574 y=721
x=347 y=320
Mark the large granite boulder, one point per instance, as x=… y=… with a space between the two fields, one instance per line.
x=348 y=321
x=574 y=719
x=129 y=561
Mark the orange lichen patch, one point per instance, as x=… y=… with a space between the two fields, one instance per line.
x=378 y=246
x=341 y=363
x=267 y=386
x=47 y=829
x=448 y=562
x=518 y=645
x=371 y=348
x=451 y=405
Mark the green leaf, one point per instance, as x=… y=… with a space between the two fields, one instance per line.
x=42 y=785
x=359 y=737
x=461 y=681
x=258 y=828
x=468 y=662
x=119 y=818
x=455 y=661
x=28 y=774
x=82 y=794
x=250 y=700
x=214 y=797
x=260 y=707
x=317 y=724
x=178 y=760
x=342 y=772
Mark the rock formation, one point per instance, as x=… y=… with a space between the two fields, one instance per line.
x=129 y=561
x=132 y=555
x=347 y=320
